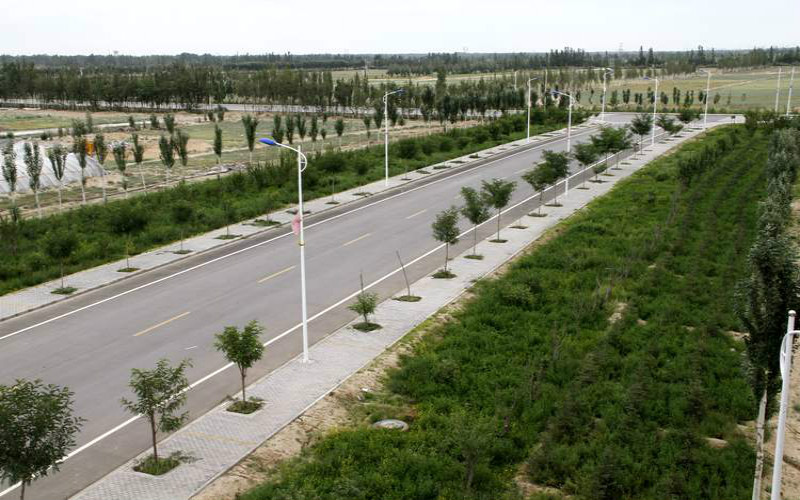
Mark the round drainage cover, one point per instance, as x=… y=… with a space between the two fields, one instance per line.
x=391 y=423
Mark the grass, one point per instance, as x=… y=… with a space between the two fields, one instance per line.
x=265 y=223
x=497 y=240
x=158 y=468
x=128 y=270
x=228 y=236
x=65 y=290
x=536 y=369
x=365 y=326
x=246 y=407
x=252 y=193
x=475 y=256
x=442 y=274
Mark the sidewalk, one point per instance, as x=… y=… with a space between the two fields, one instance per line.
x=16 y=303
x=219 y=439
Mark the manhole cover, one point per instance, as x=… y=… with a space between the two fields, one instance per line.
x=391 y=423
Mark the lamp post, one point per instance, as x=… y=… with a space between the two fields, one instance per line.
x=606 y=71
x=786 y=369
x=386 y=131
x=708 y=89
x=655 y=107
x=789 y=99
x=569 y=133
x=529 y=106
x=778 y=90
x=302 y=163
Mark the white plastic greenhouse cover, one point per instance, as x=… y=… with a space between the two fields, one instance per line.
x=72 y=172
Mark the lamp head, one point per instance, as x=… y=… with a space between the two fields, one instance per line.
x=268 y=141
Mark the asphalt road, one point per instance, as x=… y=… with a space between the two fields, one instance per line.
x=93 y=350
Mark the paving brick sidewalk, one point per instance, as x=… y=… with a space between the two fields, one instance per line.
x=32 y=298
x=220 y=439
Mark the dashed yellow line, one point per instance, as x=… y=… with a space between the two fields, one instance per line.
x=148 y=330
x=275 y=275
x=357 y=239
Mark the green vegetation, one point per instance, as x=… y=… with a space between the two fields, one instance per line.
x=252 y=193
x=158 y=467
x=37 y=430
x=599 y=360
x=160 y=394
x=242 y=348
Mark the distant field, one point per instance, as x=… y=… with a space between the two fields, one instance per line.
x=12 y=120
x=737 y=90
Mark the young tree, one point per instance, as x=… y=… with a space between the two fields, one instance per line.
x=474 y=210
x=641 y=125
x=169 y=123
x=323 y=133
x=154 y=125
x=101 y=152
x=230 y=214
x=667 y=123
x=687 y=115
x=339 y=127
x=182 y=148
x=558 y=167
x=242 y=348
x=290 y=129
x=138 y=157
x=126 y=220
x=314 y=129
x=301 y=127
x=33 y=166
x=220 y=113
x=37 y=430
x=539 y=178
x=365 y=304
x=218 y=143
x=166 y=148
x=79 y=150
x=10 y=170
x=160 y=393
x=182 y=214
x=585 y=153
x=367 y=121
x=250 y=124
x=60 y=245
x=497 y=193
x=118 y=150
x=58 y=161
x=445 y=229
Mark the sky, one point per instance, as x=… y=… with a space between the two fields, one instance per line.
x=412 y=26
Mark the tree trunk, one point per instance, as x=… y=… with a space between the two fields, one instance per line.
x=141 y=173
x=762 y=407
x=446 y=255
x=243 y=374
x=22 y=491
x=60 y=208
x=38 y=207
x=153 y=435
x=475 y=241
x=103 y=182
x=83 y=189
x=62 y=273
x=498 y=225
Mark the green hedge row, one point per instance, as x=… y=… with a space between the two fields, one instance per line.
x=533 y=371
x=102 y=230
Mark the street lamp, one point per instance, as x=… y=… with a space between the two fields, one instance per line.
x=786 y=369
x=655 y=106
x=302 y=163
x=529 y=106
x=789 y=99
x=606 y=72
x=569 y=132
x=778 y=90
x=386 y=128
x=708 y=89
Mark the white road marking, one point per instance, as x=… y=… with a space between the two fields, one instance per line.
x=417 y=213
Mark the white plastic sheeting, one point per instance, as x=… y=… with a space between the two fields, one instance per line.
x=72 y=172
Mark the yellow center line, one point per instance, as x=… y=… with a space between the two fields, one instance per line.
x=417 y=213
x=357 y=239
x=148 y=330
x=275 y=275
